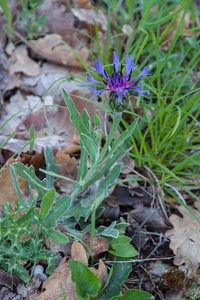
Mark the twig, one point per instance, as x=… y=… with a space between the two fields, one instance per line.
x=137 y=260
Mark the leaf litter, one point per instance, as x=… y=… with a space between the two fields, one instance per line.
x=27 y=74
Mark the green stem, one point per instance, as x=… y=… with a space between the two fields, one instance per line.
x=96 y=165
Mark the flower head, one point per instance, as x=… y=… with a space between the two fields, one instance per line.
x=118 y=82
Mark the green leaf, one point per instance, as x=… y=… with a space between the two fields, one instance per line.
x=57 y=236
x=85 y=281
x=134 y=295
x=75 y=118
x=126 y=250
x=117 y=276
x=86 y=120
x=21 y=272
x=108 y=231
x=57 y=211
x=33 y=180
x=52 y=174
x=47 y=202
x=50 y=166
x=15 y=182
x=193 y=42
x=79 y=211
x=121 y=240
x=85 y=207
x=167 y=18
x=4 y=5
x=126 y=134
x=31 y=138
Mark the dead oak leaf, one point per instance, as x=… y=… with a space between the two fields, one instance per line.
x=21 y=62
x=52 y=48
x=68 y=168
x=99 y=245
x=7 y=188
x=185 y=239
x=60 y=281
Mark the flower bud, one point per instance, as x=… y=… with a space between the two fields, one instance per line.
x=118 y=106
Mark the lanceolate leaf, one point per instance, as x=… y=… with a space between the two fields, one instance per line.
x=50 y=166
x=57 y=211
x=117 y=276
x=33 y=180
x=57 y=236
x=80 y=127
x=47 y=202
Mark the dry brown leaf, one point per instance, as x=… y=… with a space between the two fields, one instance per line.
x=154 y=220
x=6 y=279
x=87 y=16
x=7 y=188
x=171 y=33
x=185 y=241
x=139 y=237
x=29 y=288
x=21 y=62
x=61 y=21
x=100 y=244
x=52 y=48
x=68 y=168
x=60 y=280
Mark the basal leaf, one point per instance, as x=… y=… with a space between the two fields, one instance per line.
x=117 y=276
x=85 y=281
x=57 y=236
x=126 y=250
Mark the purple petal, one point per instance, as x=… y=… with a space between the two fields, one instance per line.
x=129 y=64
x=139 y=91
x=91 y=80
x=116 y=61
x=99 y=67
x=143 y=73
x=99 y=92
x=120 y=94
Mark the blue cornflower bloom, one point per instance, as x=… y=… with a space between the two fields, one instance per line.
x=118 y=82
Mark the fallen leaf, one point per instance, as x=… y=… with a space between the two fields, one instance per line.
x=60 y=280
x=185 y=239
x=87 y=16
x=8 y=280
x=154 y=220
x=128 y=164
x=21 y=62
x=52 y=48
x=62 y=21
x=139 y=237
x=29 y=288
x=68 y=168
x=7 y=188
x=99 y=245
x=78 y=252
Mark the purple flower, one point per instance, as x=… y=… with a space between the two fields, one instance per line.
x=117 y=81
